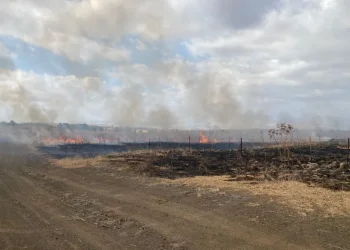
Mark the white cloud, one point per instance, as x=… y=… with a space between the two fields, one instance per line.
x=39 y=28
x=288 y=40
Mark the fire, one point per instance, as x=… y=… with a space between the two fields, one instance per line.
x=203 y=138
x=63 y=140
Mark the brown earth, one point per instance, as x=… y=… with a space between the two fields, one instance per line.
x=106 y=206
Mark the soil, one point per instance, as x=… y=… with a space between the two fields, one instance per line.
x=47 y=207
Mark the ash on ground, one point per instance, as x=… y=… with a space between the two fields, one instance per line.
x=322 y=165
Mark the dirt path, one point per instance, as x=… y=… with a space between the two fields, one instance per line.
x=53 y=208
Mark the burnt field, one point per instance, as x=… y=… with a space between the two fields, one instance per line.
x=92 y=150
x=324 y=165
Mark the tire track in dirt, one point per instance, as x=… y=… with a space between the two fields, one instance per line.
x=62 y=214
x=19 y=226
x=48 y=210
x=193 y=223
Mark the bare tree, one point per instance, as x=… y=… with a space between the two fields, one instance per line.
x=281 y=135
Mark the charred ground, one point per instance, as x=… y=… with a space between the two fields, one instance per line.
x=326 y=165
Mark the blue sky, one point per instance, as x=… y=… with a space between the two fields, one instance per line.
x=30 y=57
x=34 y=58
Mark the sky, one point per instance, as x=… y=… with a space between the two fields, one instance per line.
x=176 y=63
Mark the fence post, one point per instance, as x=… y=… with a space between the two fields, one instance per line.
x=241 y=146
x=310 y=149
x=149 y=143
x=189 y=143
x=347 y=160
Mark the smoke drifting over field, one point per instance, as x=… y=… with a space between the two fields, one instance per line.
x=203 y=99
x=174 y=64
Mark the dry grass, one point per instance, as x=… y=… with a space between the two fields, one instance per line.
x=301 y=143
x=77 y=162
x=296 y=195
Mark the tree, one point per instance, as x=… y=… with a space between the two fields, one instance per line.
x=281 y=135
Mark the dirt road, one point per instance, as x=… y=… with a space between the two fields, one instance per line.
x=45 y=207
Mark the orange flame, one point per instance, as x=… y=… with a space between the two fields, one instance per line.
x=203 y=138
x=63 y=140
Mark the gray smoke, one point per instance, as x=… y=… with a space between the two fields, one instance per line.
x=146 y=96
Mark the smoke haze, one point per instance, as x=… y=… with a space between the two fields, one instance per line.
x=174 y=64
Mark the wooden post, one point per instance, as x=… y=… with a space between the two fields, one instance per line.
x=347 y=161
x=310 y=149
